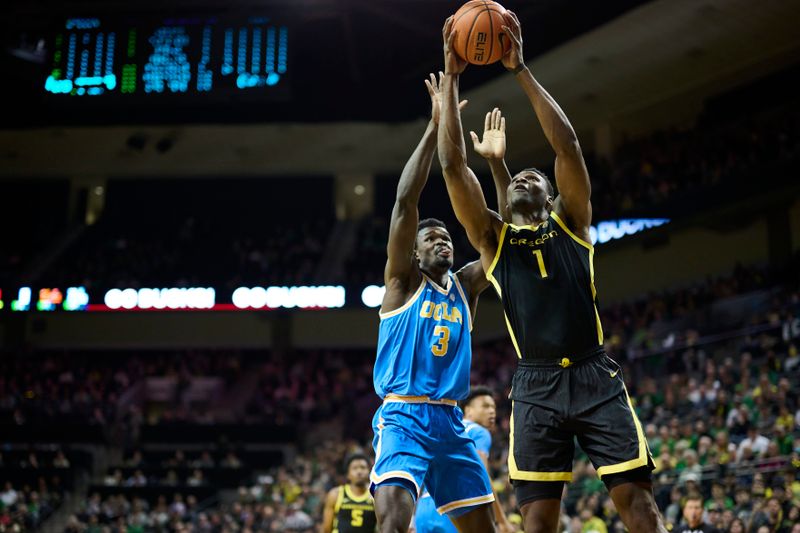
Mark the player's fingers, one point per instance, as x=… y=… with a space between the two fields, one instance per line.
x=495 y=118
x=430 y=88
x=451 y=38
x=475 y=140
x=433 y=80
x=503 y=124
x=462 y=104
x=487 y=122
x=511 y=37
x=441 y=78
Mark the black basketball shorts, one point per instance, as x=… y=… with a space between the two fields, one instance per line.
x=556 y=402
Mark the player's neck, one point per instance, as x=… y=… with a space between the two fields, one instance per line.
x=440 y=278
x=356 y=490
x=534 y=217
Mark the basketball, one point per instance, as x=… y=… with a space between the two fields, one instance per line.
x=479 y=36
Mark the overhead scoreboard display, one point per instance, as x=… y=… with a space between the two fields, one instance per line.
x=95 y=58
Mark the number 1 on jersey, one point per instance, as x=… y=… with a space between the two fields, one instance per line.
x=540 y=260
x=440 y=348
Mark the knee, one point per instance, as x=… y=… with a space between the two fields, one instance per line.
x=645 y=517
x=392 y=524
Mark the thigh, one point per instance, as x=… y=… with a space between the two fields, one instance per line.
x=394 y=507
x=541 y=516
x=476 y=520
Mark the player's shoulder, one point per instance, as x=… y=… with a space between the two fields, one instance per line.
x=473 y=428
x=333 y=494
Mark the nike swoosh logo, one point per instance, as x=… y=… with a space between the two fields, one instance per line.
x=614 y=373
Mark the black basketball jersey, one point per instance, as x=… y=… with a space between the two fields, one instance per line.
x=354 y=514
x=545 y=278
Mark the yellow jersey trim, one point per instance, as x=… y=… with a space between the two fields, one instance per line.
x=526 y=226
x=468 y=502
x=445 y=290
x=569 y=232
x=376 y=479
x=525 y=475
x=406 y=305
x=466 y=302
x=594 y=298
x=339 y=500
x=358 y=499
x=500 y=241
x=496 y=284
x=644 y=450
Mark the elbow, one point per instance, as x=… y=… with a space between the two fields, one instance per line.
x=570 y=146
x=451 y=163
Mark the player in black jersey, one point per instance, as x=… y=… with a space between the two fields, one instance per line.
x=349 y=508
x=541 y=264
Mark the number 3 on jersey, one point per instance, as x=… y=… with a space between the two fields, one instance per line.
x=442 y=333
x=540 y=260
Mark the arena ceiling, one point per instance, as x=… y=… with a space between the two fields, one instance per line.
x=656 y=62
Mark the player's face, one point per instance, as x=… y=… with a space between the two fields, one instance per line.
x=693 y=512
x=434 y=249
x=528 y=190
x=483 y=411
x=358 y=473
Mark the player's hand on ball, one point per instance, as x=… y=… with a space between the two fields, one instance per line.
x=452 y=63
x=435 y=91
x=513 y=32
x=493 y=144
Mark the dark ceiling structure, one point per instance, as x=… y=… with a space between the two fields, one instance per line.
x=349 y=60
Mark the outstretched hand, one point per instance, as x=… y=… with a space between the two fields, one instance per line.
x=452 y=63
x=435 y=91
x=493 y=144
x=513 y=32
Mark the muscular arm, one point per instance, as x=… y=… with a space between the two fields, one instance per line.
x=502 y=178
x=572 y=177
x=473 y=280
x=405 y=215
x=469 y=204
x=328 y=511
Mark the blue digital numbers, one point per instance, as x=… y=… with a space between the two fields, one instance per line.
x=168 y=67
x=182 y=55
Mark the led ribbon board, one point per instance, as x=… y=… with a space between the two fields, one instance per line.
x=92 y=57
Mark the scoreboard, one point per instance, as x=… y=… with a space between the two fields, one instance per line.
x=96 y=58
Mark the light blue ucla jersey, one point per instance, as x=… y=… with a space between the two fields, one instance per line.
x=481 y=436
x=424 y=347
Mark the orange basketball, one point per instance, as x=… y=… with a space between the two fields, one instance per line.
x=479 y=36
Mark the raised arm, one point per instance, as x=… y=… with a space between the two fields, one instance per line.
x=481 y=224
x=493 y=148
x=572 y=177
x=401 y=272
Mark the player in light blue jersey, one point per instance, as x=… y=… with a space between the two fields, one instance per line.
x=423 y=364
x=479 y=419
